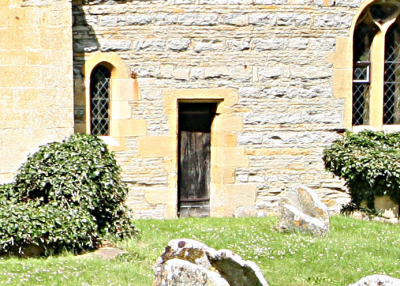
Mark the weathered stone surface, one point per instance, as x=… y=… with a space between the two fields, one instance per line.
x=185 y=249
x=236 y=270
x=302 y=210
x=262 y=19
x=150 y=45
x=189 y=262
x=114 y=45
x=269 y=44
x=377 y=280
x=177 y=272
x=178 y=45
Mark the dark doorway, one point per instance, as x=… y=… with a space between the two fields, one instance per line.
x=195 y=121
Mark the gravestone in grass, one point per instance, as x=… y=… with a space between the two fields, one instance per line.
x=377 y=280
x=301 y=210
x=190 y=262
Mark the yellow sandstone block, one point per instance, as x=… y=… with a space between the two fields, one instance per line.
x=230 y=140
x=229 y=96
x=171 y=211
x=157 y=146
x=229 y=157
x=28 y=99
x=161 y=196
x=130 y=127
x=222 y=139
x=6 y=99
x=27 y=17
x=37 y=57
x=172 y=176
x=230 y=123
x=268 y=7
x=342 y=83
x=295 y=152
x=13 y=57
x=233 y=196
x=250 y=152
x=240 y=195
x=223 y=175
x=121 y=110
x=18 y=38
x=12 y=78
x=59 y=75
x=55 y=38
x=122 y=89
x=59 y=15
x=173 y=123
x=343 y=54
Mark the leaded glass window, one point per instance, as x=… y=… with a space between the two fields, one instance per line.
x=100 y=101
x=376 y=61
x=363 y=37
x=391 y=98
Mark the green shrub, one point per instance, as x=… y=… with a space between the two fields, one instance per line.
x=49 y=227
x=67 y=195
x=369 y=161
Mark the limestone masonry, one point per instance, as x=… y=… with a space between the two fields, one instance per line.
x=278 y=71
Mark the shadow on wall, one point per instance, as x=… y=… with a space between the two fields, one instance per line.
x=85 y=41
x=84 y=36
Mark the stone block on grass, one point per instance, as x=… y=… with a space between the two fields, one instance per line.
x=190 y=262
x=301 y=210
x=377 y=280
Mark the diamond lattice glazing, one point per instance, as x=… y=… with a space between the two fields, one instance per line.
x=362 y=46
x=392 y=76
x=99 y=89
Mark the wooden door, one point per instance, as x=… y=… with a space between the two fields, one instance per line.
x=195 y=121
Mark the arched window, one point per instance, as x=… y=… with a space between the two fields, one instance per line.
x=391 y=111
x=100 y=101
x=363 y=36
x=376 y=66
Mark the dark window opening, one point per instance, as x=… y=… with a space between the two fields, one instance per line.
x=362 y=41
x=100 y=101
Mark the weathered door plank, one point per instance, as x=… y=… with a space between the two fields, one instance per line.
x=194 y=158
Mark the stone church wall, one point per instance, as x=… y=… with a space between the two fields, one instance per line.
x=270 y=63
x=36 y=85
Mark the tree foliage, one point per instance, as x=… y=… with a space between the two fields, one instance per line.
x=67 y=195
x=369 y=161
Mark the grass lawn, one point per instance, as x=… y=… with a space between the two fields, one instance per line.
x=353 y=249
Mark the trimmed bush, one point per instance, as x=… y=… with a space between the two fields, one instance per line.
x=68 y=195
x=47 y=227
x=369 y=161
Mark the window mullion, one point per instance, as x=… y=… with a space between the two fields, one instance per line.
x=377 y=80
